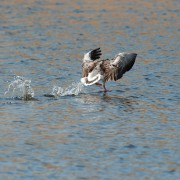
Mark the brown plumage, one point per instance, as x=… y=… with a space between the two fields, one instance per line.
x=94 y=70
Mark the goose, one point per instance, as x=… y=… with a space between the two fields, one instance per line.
x=94 y=69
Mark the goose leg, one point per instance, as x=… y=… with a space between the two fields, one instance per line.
x=104 y=87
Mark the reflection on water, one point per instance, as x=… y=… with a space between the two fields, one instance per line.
x=131 y=132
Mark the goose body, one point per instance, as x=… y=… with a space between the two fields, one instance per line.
x=94 y=69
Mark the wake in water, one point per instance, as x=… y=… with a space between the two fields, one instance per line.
x=21 y=88
x=73 y=89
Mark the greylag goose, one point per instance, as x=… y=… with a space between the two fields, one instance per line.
x=94 y=69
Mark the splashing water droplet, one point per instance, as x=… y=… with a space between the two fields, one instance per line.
x=21 y=88
x=73 y=89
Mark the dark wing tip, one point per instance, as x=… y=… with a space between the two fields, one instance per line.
x=131 y=61
x=127 y=64
x=95 y=54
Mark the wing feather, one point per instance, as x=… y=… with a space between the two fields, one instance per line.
x=115 y=68
x=92 y=55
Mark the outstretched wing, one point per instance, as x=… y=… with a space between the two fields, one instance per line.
x=88 y=61
x=115 y=69
x=92 y=55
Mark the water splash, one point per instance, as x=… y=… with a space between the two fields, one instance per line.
x=73 y=89
x=21 y=88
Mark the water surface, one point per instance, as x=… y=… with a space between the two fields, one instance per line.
x=131 y=132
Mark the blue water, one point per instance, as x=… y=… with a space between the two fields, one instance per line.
x=131 y=132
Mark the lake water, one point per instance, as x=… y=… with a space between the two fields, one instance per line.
x=132 y=132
